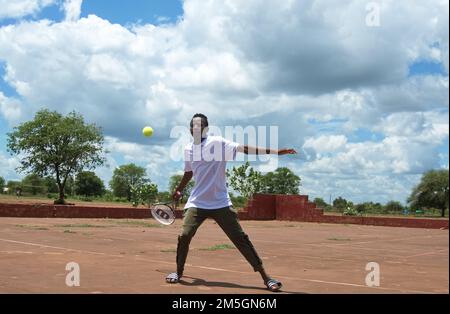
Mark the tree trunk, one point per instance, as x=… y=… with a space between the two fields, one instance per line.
x=129 y=194
x=443 y=212
x=60 y=200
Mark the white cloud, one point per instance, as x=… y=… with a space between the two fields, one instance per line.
x=393 y=155
x=427 y=127
x=203 y=63
x=106 y=171
x=72 y=8
x=375 y=188
x=105 y=68
x=244 y=63
x=415 y=93
x=326 y=144
x=10 y=108
x=136 y=152
x=319 y=46
x=8 y=164
x=20 y=8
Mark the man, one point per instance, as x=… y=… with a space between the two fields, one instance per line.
x=205 y=160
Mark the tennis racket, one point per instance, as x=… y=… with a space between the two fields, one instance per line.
x=164 y=213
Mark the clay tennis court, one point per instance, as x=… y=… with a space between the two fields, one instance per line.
x=133 y=256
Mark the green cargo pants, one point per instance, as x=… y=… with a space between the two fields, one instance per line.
x=227 y=219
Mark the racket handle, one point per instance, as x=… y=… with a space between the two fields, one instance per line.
x=177 y=195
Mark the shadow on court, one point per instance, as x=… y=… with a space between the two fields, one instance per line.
x=202 y=282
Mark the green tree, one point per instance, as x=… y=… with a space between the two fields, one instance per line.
x=125 y=177
x=340 y=204
x=432 y=191
x=144 y=193
x=320 y=203
x=164 y=196
x=393 y=206
x=13 y=185
x=245 y=180
x=57 y=145
x=369 y=207
x=360 y=208
x=108 y=195
x=2 y=183
x=175 y=180
x=88 y=184
x=350 y=210
x=34 y=184
x=238 y=201
x=282 y=181
x=69 y=189
x=51 y=184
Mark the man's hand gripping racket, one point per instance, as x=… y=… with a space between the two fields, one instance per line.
x=164 y=213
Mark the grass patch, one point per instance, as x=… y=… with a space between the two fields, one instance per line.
x=69 y=231
x=218 y=247
x=81 y=226
x=138 y=223
x=32 y=227
x=339 y=239
x=169 y=250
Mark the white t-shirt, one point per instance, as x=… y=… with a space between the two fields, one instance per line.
x=208 y=162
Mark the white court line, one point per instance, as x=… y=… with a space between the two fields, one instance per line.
x=328 y=245
x=386 y=240
x=348 y=246
x=57 y=247
x=317 y=281
x=212 y=268
x=331 y=245
x=16 y=252
x=73 y=250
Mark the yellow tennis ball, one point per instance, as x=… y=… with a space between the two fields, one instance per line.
x=147 y=131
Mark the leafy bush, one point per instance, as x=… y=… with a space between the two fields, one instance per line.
x=52 y=195
x=350 y=211
x=143 y=194
x=238 y=201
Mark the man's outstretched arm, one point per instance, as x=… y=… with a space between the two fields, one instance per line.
x=252 y=150
x=184 y=181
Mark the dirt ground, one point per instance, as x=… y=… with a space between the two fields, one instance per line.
x=41 y=200
x=133 y=256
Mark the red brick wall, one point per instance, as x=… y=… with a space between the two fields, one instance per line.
x=25 y=210
x=298 y=208
x=261 y=207
x=430 y=223
x=68 y=211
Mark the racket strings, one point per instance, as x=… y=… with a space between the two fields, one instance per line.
x=163 y=213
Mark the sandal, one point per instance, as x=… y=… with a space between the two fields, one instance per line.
x=273 y=285
x=172 y=278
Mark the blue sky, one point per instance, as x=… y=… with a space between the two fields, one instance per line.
x=426 y=67
x=372 y=120
x=116 y=11
x=135 y=11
